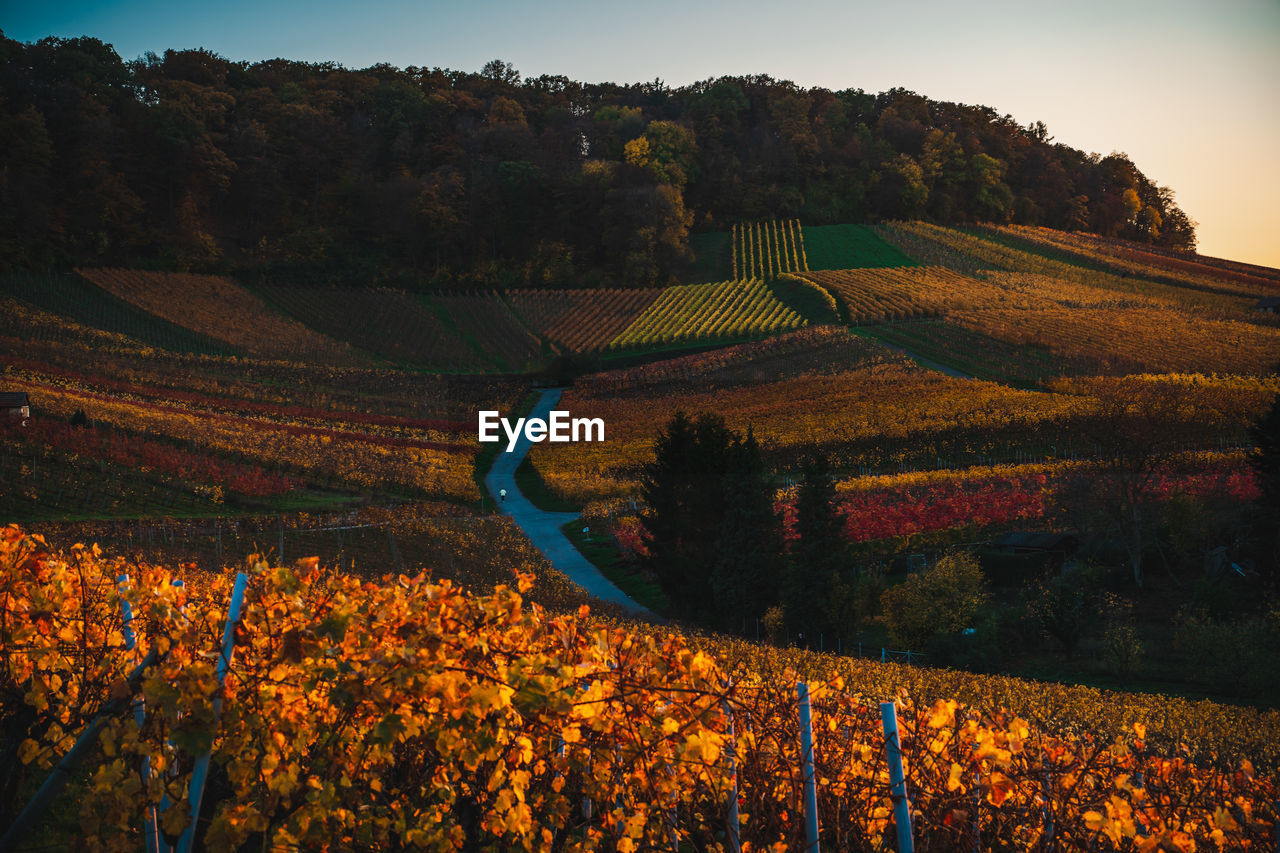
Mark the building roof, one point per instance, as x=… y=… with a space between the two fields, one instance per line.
x=13 y=399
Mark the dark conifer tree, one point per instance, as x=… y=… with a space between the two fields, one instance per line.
x=683 y=491
x=748 y=568
x=1265 y=461
x=815 y=591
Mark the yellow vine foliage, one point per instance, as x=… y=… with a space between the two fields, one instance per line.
x=361 y=715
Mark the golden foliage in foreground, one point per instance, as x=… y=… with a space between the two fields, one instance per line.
x=363 y=715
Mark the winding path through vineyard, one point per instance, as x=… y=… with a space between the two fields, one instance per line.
x=543 y=528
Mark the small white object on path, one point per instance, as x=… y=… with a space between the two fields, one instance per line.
x=543 y=528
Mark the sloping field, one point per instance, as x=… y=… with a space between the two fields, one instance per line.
x=1134 y=259
x=869 y=295
x=726 y=310
x=485 y=322
x=1085 y=328
x=1134 y=337
x=220 y=309
x=389 y=323
x=971 y=253
x=842 y=247
x=768 y=249
x=580 y=320
x=72 y=297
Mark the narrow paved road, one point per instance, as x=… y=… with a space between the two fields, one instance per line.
x=543 y=528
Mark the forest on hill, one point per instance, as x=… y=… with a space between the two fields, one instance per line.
x=415 y=176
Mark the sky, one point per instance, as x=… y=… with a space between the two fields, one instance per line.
x=1189 y=89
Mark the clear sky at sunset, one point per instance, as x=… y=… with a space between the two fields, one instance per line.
x=1189 y=90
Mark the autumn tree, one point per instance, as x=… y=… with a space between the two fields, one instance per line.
x=1140 y=429
x=944 y=599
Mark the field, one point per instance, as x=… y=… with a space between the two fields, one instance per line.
x=390 y=324
x=485 y=322
x=878 y=295
x=696 y=313
x=969 y=253
x=399 y=631
x=839 y=247
x=583 y=321
x=224 y=311
x=72 y=297
x=766 y=250
x=1131 y=259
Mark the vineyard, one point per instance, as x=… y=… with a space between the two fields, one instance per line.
x=219 y=309
x=580 y=320
x=766 y=250
x=871 y=295
x=877 y=411
x=487 y=324
x=92 y=312
x=1129 y=259
x=412 y=713
x=428 y=463
x=387 y=323
x=968 y=253
x=1079 y=326
x=694 y=313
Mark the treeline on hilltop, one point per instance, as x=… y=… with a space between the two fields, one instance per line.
x=318 y=172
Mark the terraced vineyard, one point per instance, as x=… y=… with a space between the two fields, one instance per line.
x=389 y=323
x=840 y=247
x=580 y=320
x=693 y=313
x=217 y=308
x=767 y=249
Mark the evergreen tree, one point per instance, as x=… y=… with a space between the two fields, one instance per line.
x=749 y=553
x=1265 y=461
x=683 y=491
x=1266 y=457
x=709 y=528
x=816 y=593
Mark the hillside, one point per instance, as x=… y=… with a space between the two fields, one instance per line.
x=315 y=174
x=966 y=387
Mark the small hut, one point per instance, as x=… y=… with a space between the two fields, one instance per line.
x=1269 y=304
x=14 y=404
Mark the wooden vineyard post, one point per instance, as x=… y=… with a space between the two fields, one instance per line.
x=897 y=780
x=810 y=787
x=201 y=772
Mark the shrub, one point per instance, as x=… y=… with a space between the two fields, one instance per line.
x=944 y=599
